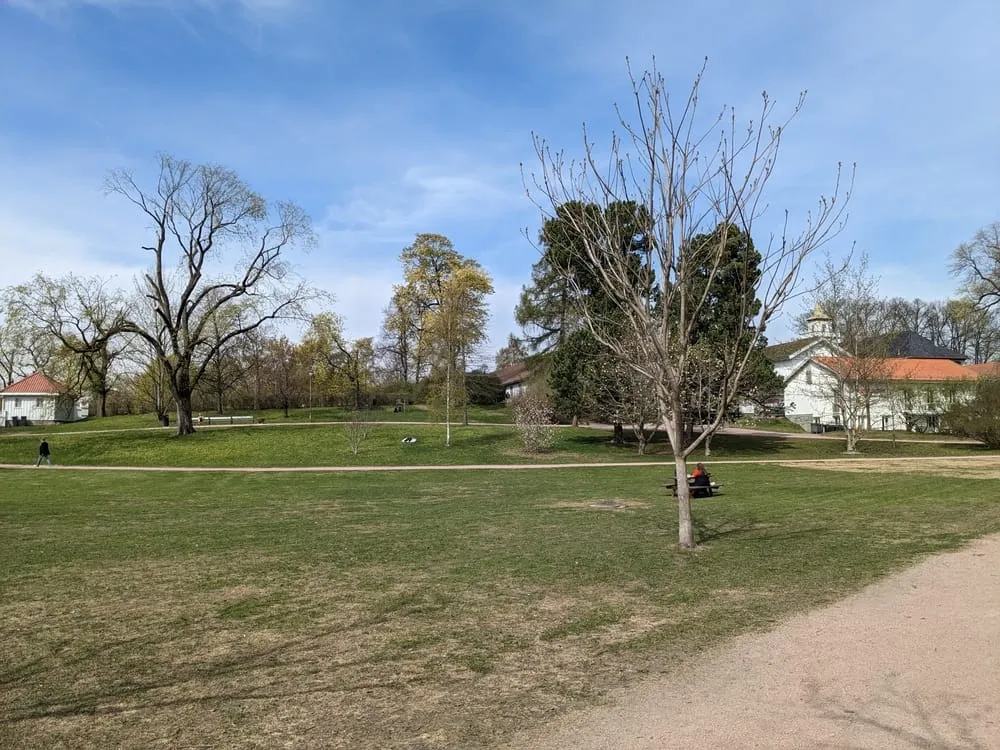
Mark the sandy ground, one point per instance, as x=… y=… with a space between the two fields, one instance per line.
x=910 y=662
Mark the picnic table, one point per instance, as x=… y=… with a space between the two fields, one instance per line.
x=713 y=486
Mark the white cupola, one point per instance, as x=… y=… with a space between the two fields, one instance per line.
x=819 y=323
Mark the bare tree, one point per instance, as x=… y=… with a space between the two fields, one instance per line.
x=690 y=177
x=199 y=214
x=861 y=378
x=977 y=264
x=76 y=314
x=357 y=428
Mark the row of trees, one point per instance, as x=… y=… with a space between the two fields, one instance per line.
x=192 y=326
x=849 y=294
x=259 y=370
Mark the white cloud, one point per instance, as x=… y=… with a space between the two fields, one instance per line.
x=422 y=199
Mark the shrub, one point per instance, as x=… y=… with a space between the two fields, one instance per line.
x=979 y=417
x=357 y=429
x=533 y=420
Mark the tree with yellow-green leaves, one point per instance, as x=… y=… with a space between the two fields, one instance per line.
x=449 y=291
x=341 y=368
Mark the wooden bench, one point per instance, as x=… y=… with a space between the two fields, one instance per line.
x=672 y=486
x=226 y=420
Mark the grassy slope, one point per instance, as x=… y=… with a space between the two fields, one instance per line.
x=327 y=445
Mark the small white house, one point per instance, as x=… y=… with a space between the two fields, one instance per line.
x=513 y=378
x=37 y=399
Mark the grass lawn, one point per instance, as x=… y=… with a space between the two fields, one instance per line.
x=498 y=414
x=416 y=610
x=306 y=444
x=770 y=425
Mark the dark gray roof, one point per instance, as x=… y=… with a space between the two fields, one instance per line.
x=911 y=344
x=781 y=352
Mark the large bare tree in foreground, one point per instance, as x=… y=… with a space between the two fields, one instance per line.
x=694 y=178
x=201 y=217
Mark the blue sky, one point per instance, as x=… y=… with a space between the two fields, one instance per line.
x=387 y=118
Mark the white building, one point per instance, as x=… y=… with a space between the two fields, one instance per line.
x=913 y=386
x=37 y=399
x=910 y=393
x=791 y=357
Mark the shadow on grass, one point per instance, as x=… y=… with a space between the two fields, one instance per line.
x=708 y=530
x=199 y=682
x=658 y=445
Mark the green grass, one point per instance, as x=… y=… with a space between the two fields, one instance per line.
x=306 y=444
x=769 y=425
x=497 y=414
x=417 y=609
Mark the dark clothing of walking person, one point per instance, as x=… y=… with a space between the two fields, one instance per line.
x=43 y=453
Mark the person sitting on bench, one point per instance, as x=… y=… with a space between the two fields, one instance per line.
x=701 y=482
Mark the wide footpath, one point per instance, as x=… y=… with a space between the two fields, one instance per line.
x=910 y=662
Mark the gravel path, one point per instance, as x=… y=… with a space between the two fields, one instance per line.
x=910 y=662
x=988 y=460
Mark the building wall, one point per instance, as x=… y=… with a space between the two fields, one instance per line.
x=42 y=409
x=812 y=389
x=514 y=389
x=807 y=396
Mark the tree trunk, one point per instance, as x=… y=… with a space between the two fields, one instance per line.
x=685 y=524
x=102 y=404
x=465 y=391
x=447 y=407
x=618 y=435
x=576 y=420
x=852 y=437
x=708 y=444
x=185 y=424
x=640 y=435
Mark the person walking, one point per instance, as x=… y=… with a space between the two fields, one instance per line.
x=43 y=453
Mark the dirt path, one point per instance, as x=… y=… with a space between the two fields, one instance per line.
x=910 y=662
x=987 y=466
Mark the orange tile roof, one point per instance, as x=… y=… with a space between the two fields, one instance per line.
x=37 y=384
x=990 y=369
x=907 y=368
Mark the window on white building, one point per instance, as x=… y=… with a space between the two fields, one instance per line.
x=809 y=376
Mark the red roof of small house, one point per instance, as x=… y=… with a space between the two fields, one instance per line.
x=908 y=368
x=986 y=369
x=37 y=384
x=515 y=373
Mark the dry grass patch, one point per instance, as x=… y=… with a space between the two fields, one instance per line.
x=979 y=467
x=326 y=664
x=611 y=504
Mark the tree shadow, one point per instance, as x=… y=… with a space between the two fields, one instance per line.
x=937 y=721
x=197 y=682
x=658 y=445
x=707 y=530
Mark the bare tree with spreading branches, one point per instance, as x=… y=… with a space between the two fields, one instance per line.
x=690 y=177
x=202 y=215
